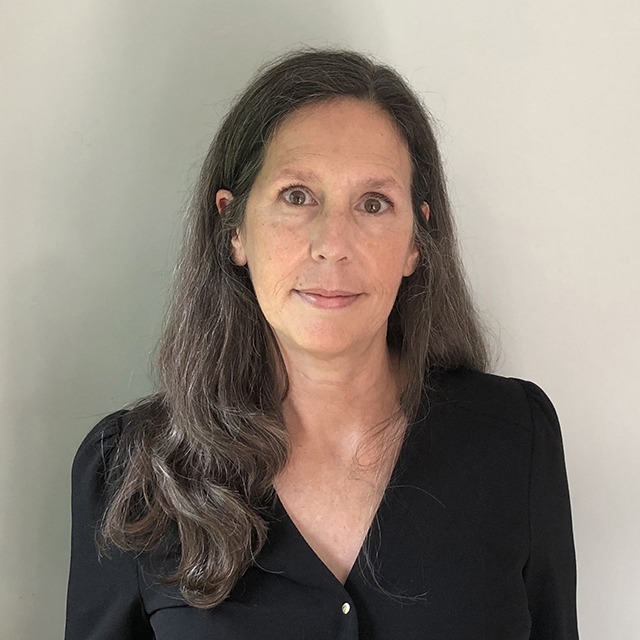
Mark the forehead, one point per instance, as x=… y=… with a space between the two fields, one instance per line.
x=342 y=135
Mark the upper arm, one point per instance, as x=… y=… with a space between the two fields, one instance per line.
x=550 y=571
x=103 y=598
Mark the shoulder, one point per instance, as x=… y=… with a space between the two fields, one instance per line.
x=490 y=408
x=108 y=446
x=96 y=458
x=127 y=423
x=505 y=398
x=482 y=420
x=105 y=433
x=107 y=428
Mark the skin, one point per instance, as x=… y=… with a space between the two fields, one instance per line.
x=323 y=233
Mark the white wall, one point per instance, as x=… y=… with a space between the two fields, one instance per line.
x=107 y=108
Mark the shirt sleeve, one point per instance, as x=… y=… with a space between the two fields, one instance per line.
x=103 y=599
x=550 y=572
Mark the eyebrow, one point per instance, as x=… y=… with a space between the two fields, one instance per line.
x=387 y=182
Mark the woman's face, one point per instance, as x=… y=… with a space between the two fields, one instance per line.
x=331 y=211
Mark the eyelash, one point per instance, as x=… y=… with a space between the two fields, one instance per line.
x=380 y=196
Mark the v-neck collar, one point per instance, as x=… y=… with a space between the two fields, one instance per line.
x=287 y=551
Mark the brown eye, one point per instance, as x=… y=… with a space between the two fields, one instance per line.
x=375 y=203
x=372 y=205
x=294 y=195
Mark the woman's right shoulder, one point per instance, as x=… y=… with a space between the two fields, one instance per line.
x=109 y=429
x=106 y=431
x=93 y=454
x=109 y=426
x=96 y=447
x=103 y=597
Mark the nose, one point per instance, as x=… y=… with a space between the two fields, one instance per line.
x=330 y=234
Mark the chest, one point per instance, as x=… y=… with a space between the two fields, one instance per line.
x=453 y=541
x=333 y=508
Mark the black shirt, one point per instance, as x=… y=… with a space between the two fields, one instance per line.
x=473 y=540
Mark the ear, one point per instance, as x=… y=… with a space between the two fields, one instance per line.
x=223 y=198
x=413 y=258
x=411 y=263
x=425 y=210
x=238 y=255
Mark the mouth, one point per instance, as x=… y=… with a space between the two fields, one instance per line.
x=324 y=299
x=328 y=293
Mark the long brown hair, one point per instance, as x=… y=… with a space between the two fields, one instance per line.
x=199 y=456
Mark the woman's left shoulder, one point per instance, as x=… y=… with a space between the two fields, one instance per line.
x=506 y=398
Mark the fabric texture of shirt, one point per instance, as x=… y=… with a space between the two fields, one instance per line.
x=473 y=540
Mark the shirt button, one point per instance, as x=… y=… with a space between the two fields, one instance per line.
x=345 y=608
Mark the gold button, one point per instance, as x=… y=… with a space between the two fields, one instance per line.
x=345 y=607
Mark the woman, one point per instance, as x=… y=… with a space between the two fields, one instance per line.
x=326 y=456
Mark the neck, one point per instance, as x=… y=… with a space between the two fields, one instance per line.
x=333 y=404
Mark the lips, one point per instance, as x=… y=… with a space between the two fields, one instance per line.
x=325 y=299
x=328 y=293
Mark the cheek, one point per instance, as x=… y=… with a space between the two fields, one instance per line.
x=389 y=256
x=274 y=257
x=386 y=270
